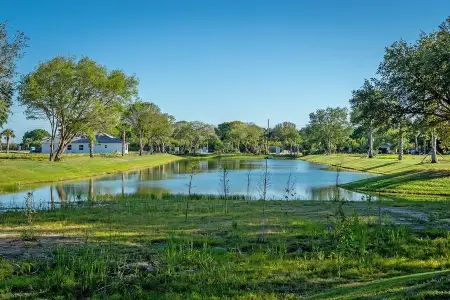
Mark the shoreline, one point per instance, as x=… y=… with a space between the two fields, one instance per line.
x=128 y=163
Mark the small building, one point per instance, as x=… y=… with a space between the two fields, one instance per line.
x=385 y=148
x=275 y=149
x=105 y=144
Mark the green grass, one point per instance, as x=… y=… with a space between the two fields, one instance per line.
x=409 y=176
x=19 y=170
x=141 y=247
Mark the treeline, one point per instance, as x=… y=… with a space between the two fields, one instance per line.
x=407 y=107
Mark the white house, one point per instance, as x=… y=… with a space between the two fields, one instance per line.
x=105 y=144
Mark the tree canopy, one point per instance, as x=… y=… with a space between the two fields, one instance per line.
x=11 y=47
x=73 y=95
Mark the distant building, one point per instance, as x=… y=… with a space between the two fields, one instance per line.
x=105 y=144
x=385 y=148
x=275 y=149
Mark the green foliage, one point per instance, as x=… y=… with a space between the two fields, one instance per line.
x=11 y=47
x=34 y=137
x=287 y=134
x=327 y=128
x=75 y=96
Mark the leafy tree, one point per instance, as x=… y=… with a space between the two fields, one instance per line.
x=192 y=135
x=369 y=108
x=202 y=133
x=183 y=133
x=287 y=134
x=8 y=134
x=34 y=137
x=329 y=127
x=73 y=95
x=10 y=50
x=142 y=117
x=232 y=133
x=254 y=137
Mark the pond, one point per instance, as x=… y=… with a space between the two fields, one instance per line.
x=309 y=182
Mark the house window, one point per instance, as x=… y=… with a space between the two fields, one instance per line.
x=69 y=147
x=81 y=147
x=106 y=146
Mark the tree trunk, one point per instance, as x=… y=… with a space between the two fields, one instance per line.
x=91 y=148
x=434 y=158
x=329 y=146
x=91 y=189
x=416 y=143
x=123 y=142
x=424 y=144
x=141 y=144
x=7 y=144
x=371 y=142
x=400 y=145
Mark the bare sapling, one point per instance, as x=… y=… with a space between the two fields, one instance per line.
x=339 y=221
x=263 y=187
x=194 y=171
x=249 y=179
x=289 y=193
x=30 y=213
x=224 y=184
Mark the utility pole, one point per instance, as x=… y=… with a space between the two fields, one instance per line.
x=267 y=138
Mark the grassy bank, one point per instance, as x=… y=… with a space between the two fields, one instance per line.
x=142 y=247
x=408 y=176
x=19 y=170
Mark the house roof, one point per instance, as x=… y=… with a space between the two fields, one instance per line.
x=385 y=145
x=101 y=139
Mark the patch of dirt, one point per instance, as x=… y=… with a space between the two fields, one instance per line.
x=407 y=212
x=40 y=249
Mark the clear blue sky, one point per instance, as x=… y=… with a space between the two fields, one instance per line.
x=224 y=60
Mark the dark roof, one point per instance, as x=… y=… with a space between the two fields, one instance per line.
x=101 y=139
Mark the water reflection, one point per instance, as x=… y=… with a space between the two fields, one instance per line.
x=311 y=182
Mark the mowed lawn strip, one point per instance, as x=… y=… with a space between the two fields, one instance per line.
x=18 y=172
x=408 y=176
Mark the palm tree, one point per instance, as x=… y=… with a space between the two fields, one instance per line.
x=8 y=133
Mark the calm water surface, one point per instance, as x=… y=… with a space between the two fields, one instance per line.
x=311 y=182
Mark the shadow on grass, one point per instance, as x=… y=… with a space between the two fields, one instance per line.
x=391 y=182
x=379 y=166
x=399 y=286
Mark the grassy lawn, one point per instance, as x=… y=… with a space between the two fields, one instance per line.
x=409 y=176
x=141 y=247
x=18 y=170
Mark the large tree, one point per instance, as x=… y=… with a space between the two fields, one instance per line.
x=329 y=127
x=11 y=47
x=287 y=134
x=72 y=94
x=183 y=134
x=368 y=109
x=254 y=137
x=35 y=137
x=143 y=118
